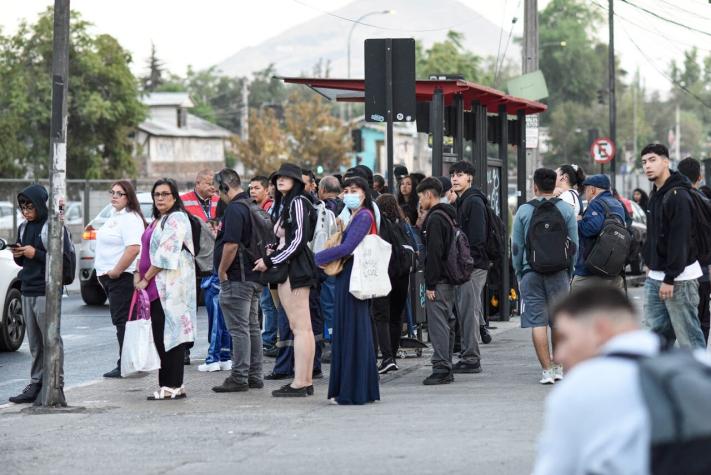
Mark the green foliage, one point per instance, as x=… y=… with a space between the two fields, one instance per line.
x=447 y=57
x=103 y=102
x=153 y=81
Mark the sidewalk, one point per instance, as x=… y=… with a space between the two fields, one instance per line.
x=483 y=423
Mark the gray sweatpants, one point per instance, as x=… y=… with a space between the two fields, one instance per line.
x=440 y=325
x=33 y=309
x=470 y=314
x=240 y=306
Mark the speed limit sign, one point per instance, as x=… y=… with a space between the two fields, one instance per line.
x=603 y=150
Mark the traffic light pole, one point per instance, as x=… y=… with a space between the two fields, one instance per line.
x=52 y=393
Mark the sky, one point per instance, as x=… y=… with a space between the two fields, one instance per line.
x=204 y=33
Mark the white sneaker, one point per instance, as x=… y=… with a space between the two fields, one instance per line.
x=209 y=368
x=226 y=365
x=548 y=376
x=558 y=372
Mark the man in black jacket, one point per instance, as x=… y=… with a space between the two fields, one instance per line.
x=440 y=292
x=671 y=289
x=472 y=217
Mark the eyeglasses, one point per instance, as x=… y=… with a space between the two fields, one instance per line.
x=117 y=193
x=159 y=195
x=27 y=207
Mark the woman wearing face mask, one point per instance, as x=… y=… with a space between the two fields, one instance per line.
x=291 y=211
x=354 y=374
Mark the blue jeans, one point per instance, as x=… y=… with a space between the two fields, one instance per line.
x=675 y=318
x=328 y=305
x=220 y=348
x=269 y=333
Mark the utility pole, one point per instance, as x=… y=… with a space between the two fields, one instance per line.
x=52 y=393
x=244 y=112
x=611 y=87
x=677 y=135
x=530 y=64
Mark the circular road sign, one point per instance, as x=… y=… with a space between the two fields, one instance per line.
x=603 y=150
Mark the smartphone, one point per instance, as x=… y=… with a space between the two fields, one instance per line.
x=14 y=246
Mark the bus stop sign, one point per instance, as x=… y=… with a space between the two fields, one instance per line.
x=603 y=150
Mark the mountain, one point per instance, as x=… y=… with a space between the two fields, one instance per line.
x=297 y=50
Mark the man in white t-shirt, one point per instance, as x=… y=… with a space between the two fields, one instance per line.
x=671 y=289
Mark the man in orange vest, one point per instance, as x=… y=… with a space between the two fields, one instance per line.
x=202 y=201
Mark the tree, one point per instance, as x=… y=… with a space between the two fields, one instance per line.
x=104 y=106
x=316 y=138
x=154 y=79
x=266 y=89
x=266 y=147
x=447 y=57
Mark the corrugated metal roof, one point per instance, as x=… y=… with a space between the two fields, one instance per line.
x=196 y=127
x=166 y=99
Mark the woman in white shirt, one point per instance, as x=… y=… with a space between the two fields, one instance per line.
x=118 y=243
x=569 y=186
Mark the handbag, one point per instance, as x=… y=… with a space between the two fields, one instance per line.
x=275 y=275
x=139 y=350
x=334 y=268
x=369 y=276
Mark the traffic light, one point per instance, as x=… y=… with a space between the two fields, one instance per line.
x=601 y=96
x=357 y=137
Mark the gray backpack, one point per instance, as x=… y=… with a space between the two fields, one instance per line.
x=677 y=391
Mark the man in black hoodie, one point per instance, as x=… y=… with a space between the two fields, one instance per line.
x=472 y=217
x=440 y=292
x=30 y=254
x=671 y=289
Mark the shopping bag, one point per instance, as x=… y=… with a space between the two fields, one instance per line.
x=418 y=297
x=335 y=267
x=139 y=351
x=369 y=276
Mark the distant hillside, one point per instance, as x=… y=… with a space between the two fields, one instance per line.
x=298 y=49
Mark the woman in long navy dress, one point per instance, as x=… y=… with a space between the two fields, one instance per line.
x=354 y=373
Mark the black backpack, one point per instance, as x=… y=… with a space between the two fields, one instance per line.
x=262 y=230
x=495 y=235
x=403 y=259
x=609 y=254
x=548 y=246
x=69 y=254
x=701 y=217
x=675 y=386
x=459 y=264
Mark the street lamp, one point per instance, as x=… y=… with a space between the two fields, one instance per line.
x=355 y=23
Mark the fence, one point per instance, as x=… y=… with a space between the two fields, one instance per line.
x=85 y=199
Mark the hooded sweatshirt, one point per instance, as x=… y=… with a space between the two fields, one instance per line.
x=471 y=215
x=669 y=247
x=32 y=274
x=437 y=236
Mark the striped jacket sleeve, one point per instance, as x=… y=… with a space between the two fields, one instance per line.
x=300 y=229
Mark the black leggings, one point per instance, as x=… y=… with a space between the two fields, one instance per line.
x=171 y=362
x=387 y=315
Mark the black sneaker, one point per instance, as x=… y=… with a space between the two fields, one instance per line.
x=270 y=351
x=462 y=367
x=277 y=376
x=485 y=335
x=288 y=391
x=387 y=366
x=438 y=378
x=255 y=383
x=114 y=373
x=29 y=394
x=317 y=374
x=231 y=386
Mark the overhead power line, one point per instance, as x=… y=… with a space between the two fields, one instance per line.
x=668 y=20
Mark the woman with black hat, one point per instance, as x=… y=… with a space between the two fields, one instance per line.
x=292 y=213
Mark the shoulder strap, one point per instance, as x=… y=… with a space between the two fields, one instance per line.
x=446 y=216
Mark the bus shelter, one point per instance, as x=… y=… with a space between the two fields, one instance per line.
x=468 y=113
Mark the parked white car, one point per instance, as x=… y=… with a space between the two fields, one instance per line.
x=12 y=323
x=91 y=291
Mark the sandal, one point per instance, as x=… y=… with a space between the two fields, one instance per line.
x=168 y=393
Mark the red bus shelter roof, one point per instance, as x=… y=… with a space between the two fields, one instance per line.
x=353 y=90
